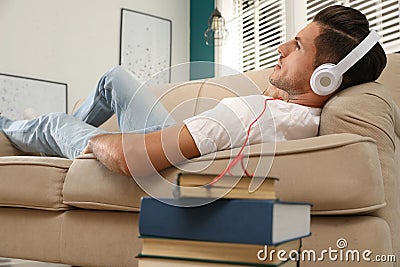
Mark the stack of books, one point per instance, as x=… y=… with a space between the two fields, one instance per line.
x=240 y=229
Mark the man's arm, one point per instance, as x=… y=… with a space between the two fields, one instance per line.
x=143 y=153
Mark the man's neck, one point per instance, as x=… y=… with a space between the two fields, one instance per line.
x=308 y=99
x=304 y=99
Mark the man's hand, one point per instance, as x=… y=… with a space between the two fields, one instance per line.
x=108 y=149
x=144 y=153
x=87 y=150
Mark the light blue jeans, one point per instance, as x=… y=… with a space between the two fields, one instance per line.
x=59 y=134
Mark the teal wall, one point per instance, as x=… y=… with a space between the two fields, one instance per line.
x=200 y=11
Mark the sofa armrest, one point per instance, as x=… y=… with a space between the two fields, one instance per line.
x=338 y=173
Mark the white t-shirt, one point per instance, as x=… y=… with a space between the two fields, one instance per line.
x=225 y=126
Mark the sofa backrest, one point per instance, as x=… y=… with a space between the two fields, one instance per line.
x=184 y=100
x=390 y=77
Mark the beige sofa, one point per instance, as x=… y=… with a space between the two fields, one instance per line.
x=79 y=213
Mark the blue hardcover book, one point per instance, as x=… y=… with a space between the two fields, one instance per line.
x=266 y=222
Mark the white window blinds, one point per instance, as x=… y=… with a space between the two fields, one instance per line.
x=383 y=16
x=261 y=26
x=257 y=27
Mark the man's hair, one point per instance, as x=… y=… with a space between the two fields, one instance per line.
x=342 y=29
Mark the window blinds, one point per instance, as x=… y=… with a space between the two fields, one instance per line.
x=261 y=25
x=383 y=16
x=258 y=27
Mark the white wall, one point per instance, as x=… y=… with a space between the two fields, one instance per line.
x=295 y=17
x=76 y=41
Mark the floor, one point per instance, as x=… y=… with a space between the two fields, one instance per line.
x=22 y=263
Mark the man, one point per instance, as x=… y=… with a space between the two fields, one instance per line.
x=153 y=137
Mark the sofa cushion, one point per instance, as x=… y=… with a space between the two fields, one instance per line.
x=101 y=239
x=30 y=234
x=304 y=168
x=33 y=182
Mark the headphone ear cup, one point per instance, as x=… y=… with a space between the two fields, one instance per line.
x=324 y=80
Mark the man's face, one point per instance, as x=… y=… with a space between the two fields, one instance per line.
x=296 y=64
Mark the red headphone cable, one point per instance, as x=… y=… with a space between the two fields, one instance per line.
x=240 y=156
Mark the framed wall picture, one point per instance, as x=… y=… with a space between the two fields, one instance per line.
x=23 y=94
x=145 y=46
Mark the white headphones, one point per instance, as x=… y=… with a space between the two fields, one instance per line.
x=328 y=77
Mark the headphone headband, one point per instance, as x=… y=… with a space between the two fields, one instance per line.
x=354 y=56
